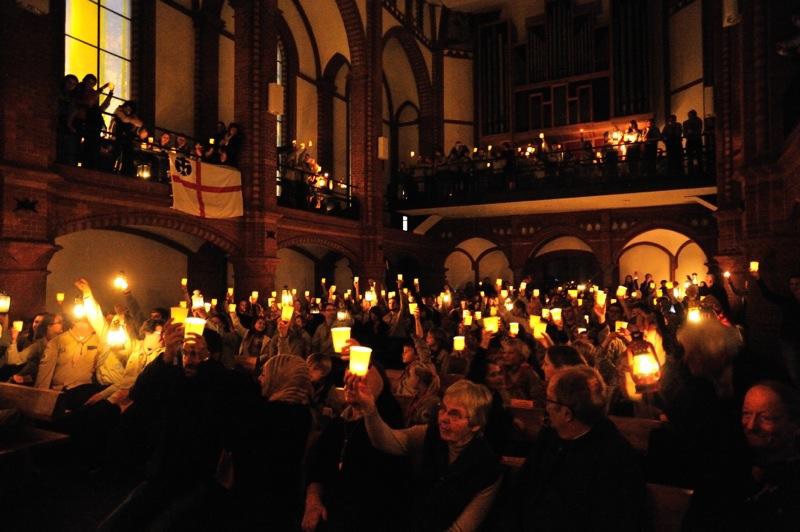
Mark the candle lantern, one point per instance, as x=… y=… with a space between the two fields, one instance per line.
x=59 y=297
x=340 y=336
x=458 y=343
x=467 y=320
x=197 y=300
x=5 y=303
x=214 y=302
x=359 y=360
x=286 y=312
x=17 y=325
x=753 y=265
x=231 y=308
x=513 y=327
x=179 y=314
x=555 y=314
x=254 y=296
x=600 y=298
x=120 y=282
x=230 y=291
x=412 y=308
x=491 y=324
x=194 y=325
x=621 y=291
x=536 y=292
x=534 y=319
x=539 y=329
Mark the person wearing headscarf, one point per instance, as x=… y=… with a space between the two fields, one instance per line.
x=267 y=448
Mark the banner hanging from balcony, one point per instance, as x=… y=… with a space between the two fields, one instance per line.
x=205 y=190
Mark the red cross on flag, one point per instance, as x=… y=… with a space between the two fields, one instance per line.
x=205 y=190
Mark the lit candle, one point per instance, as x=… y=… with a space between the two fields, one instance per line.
x=645 y=370
x=412 y=153
x=286 y=312
x=458 y=343
x=478 y=314
x=307 y=293
x=534 y=319
x=391 y=294
x=727 y=275
x=340 y=336
x=573 y=294
x=491 y=323
x=273 y=294
x=467 y=320
x=621 y=291
x=539 y=329
x=120 y=283
x=555 y=314
x=504 y=293
x=254 y=296
x=231 y=308
x=211 y=141
x=197 y=300
x=17 y=325
x=355 y=279
x=117 y=336
x=753 y=265
x=193 y=325
x=213 y=301
x=618 y=325
x=522 y=286
x=546 y=313
x=513 y=327
x=359 y=360
x=294 y=291
x=693 y=315
x=536 y=292
x=230 y=290
x=600 y=298
x=5 y=303
x=184 y=281
x=60 y=297
x=412 y=308
x=499 y=282
x=416 y=281
x=323 y=280
x=207 y=307
x=179 y=314
x=183 y=304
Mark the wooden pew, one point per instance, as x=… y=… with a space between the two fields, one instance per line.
x=636 y=430
x=667 y=506
x=35 y=403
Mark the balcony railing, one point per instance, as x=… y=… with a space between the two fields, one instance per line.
x=531 y=174
x=319 y=193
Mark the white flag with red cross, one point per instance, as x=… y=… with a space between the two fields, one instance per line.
x=205 y=190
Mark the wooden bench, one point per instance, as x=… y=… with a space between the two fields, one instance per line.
x=636 y=430
x=35 y=403
x=28 y=438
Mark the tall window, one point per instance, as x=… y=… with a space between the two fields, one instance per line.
x=280 y=79
x=97 y=40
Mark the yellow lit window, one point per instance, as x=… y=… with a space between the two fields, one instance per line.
x=97 y=40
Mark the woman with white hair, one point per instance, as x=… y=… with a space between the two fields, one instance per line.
x=460 y=474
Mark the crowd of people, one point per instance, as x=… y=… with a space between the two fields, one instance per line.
x=126 y=146
x=676 y=150
x=305 y=185
x=258 y=422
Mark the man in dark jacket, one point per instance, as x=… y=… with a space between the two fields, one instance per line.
x=582 y=473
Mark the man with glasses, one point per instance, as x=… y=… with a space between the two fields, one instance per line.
x=582 y=474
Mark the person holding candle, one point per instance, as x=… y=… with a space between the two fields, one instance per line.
x=416 y=355
x=789 y=334
x=22 y=365
x=267 y=445
x=289 y=340
x=351 y=485
x=124 y=126
x=582 y=474
x=254 y=344
x=322 y=341
x=460 y=473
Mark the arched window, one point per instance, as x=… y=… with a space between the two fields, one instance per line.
x=97 y=40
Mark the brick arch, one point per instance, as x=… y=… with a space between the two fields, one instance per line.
x=551 y=233
x=110 y=221
x=354 y=28
x=323 y=242
x=423 y=82
x=643 y=227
